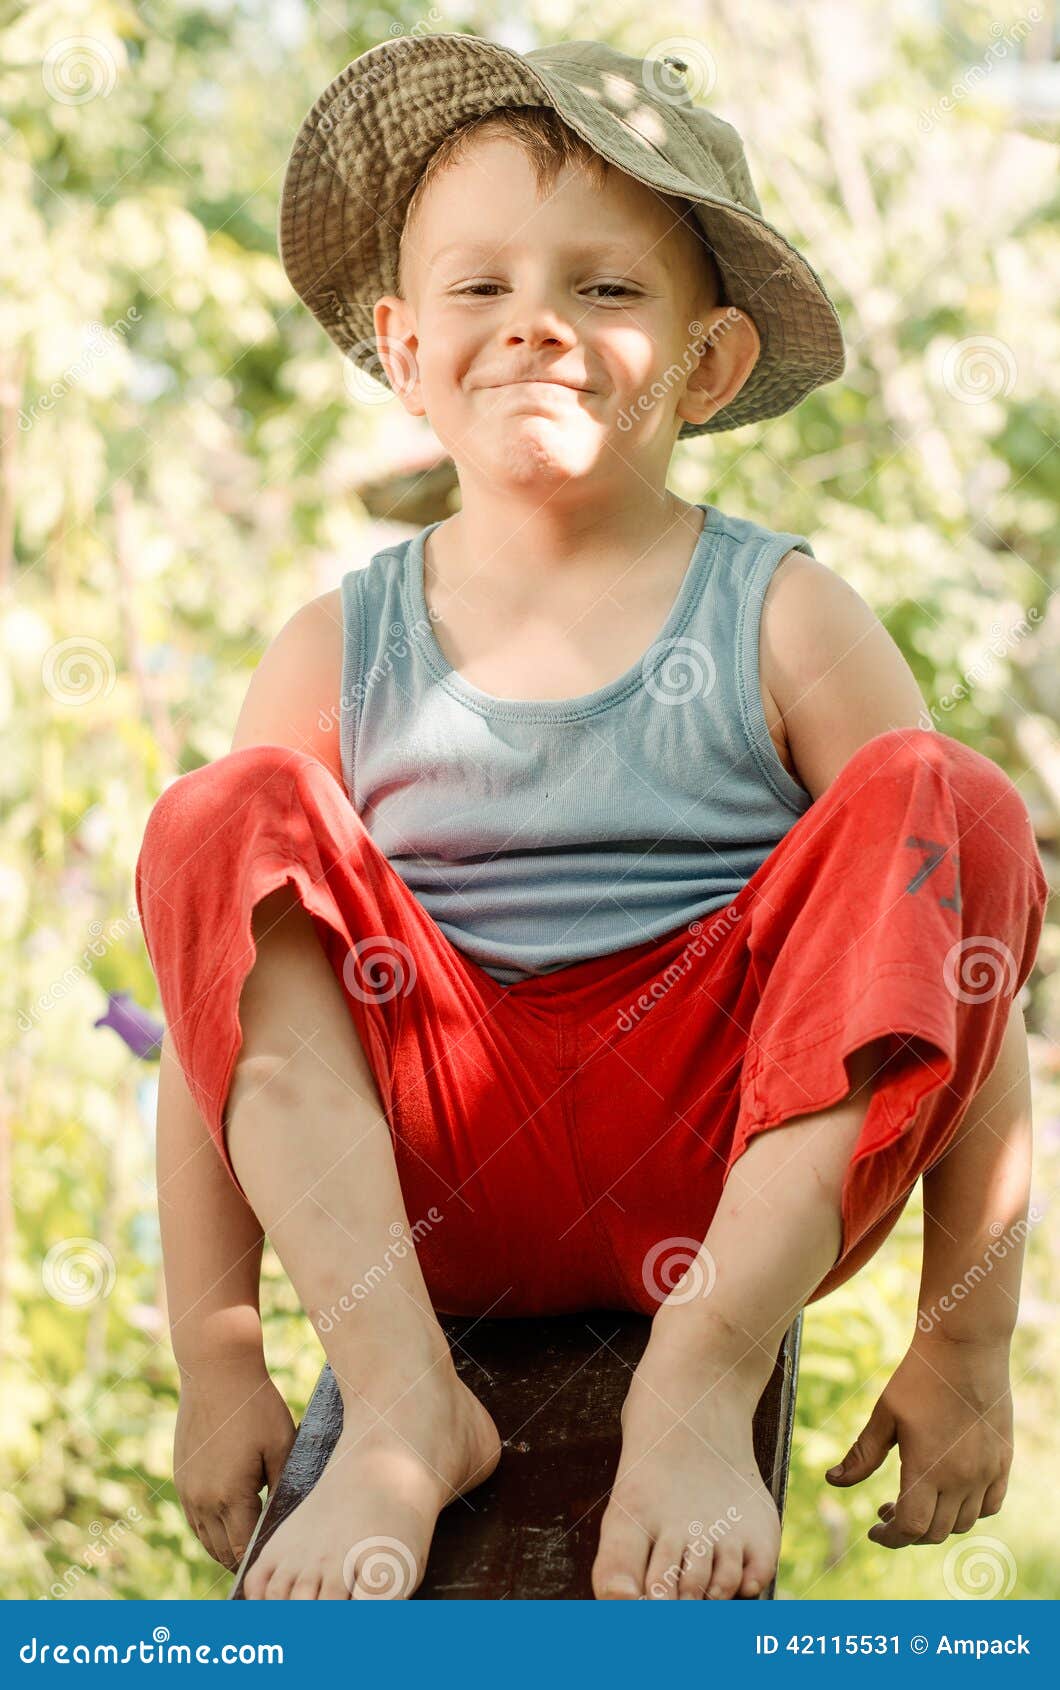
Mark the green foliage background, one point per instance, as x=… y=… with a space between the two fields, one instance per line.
x=166 y=502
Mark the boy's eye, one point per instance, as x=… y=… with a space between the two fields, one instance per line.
x=611 y=288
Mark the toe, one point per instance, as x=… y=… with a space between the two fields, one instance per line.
x=278 y=1588
x=699 y=1562
x=621 y=1560
x=306 y=1586
x=259 y=1577
x=664 y=1567
x=727 y=1570
x=333 y=1588
x=757 y=1572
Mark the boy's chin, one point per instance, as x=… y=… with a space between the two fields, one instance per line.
x=536 y=449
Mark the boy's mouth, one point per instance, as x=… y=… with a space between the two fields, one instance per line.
x=540 y=381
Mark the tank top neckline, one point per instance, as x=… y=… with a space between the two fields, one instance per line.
x=418 y=622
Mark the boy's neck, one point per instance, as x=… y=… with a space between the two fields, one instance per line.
x=547 y=538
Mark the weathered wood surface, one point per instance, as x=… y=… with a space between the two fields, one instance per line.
x=555 y=1387
x=420 y=494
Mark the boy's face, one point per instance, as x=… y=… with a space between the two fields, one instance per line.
x=606 y=290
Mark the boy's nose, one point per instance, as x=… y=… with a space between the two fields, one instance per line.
x=540 y=326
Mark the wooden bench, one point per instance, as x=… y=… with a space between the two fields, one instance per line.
x=555 y=1387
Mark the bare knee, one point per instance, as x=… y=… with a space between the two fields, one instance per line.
x=258 y=1072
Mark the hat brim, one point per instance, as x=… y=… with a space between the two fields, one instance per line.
x=365 y=142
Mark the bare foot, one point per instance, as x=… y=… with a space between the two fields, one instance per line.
x=688 y=1516
x=366 y=1527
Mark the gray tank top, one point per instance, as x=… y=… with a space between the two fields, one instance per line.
x=542 y=833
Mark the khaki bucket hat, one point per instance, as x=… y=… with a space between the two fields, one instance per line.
x=365 y=142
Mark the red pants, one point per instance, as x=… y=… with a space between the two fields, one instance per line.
x=562 y=1142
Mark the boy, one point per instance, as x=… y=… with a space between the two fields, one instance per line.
x=631 y=943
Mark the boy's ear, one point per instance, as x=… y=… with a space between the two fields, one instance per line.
x=396 y=345
x=730 y=345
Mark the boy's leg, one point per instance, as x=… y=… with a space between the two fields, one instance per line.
x=865 y=954
x=687 y=1453
x=287 y=1044
x=311 y=1145
x=328 y=1195
x=687 y=1449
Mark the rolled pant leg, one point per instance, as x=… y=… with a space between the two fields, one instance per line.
x=466 y=1076
x=218 y=841
x=908 y=904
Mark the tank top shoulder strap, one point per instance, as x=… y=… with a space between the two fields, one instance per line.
x=728 y=617
x=375 y=644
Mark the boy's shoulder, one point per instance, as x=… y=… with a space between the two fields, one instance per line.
x=811 y=618
x=831 y=675
x=293 y=696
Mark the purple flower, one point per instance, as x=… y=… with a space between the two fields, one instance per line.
x=141 y=1032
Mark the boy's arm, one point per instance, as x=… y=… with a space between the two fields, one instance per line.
x=233 y=1429
x=832 y=673
x=293 y=696
x=211 y=1240
x=837 y=678
x=834 y=679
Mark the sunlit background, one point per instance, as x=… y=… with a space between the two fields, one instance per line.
x=185 y=460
